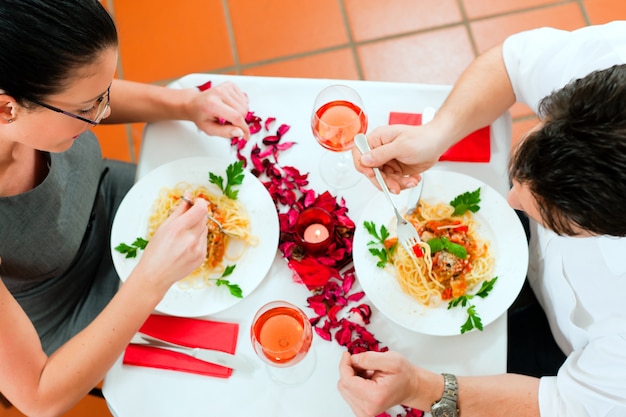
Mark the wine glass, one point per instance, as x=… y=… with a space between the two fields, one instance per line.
x=338 y=116
x=281 y=335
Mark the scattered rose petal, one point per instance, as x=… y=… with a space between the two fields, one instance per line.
x=205 y=86
x=282 y=130
x=268 y=122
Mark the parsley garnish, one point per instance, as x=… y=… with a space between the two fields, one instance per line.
x=466 y=201
x=473 y=319
x=234 y=176
x=486 y=287
x=383 y=254
x=131 y=250
x=234 y=289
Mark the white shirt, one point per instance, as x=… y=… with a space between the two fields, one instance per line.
x=580 y=282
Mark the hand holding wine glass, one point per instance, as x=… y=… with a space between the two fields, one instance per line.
x=338 y=116
x=281 y=335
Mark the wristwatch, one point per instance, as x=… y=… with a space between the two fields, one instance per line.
x=446 y=406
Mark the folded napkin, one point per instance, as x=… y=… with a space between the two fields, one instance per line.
x=475 y=147
x=184 y=331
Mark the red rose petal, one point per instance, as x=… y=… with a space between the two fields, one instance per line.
x=205 y=86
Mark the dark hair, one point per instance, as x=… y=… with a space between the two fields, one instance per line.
x=43 y=41
x=575 y=164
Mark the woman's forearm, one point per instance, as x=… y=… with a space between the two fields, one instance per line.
x=55 y=384
x=137 y=102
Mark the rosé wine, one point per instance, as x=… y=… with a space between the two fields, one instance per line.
x=281 y=334
x=335 y=124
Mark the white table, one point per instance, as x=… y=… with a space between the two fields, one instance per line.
x=136 y=391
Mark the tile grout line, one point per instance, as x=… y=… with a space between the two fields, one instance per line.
x=130 y=143
x=231 y=36
x=583 y=11
x=353 y=46
x=468 y=27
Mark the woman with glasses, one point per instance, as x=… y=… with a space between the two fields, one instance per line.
x=63 y=317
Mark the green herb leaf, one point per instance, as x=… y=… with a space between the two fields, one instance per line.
x=234 y=289
x=131 y=250
x=140 y=243
x=486 y=287
x=454 y=248
x=466 y=201
x=436 y=244
x=228 y=270
x=443 y=243
x=473 y=320
x=383 y=254
x=234 y=177
x=463 y=300
x=371 y=229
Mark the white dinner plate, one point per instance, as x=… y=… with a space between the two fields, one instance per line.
x=131 y=221
x=496 y=222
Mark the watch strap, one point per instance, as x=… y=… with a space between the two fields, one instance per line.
x=450 y=387
x=447 y=404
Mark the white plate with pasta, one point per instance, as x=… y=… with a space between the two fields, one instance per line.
x=252 y=253
x=497 y=225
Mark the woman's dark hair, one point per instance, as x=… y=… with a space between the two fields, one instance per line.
x=43 y=41
x=575 y=164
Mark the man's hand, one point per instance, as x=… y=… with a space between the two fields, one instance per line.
x=401 y=152
x=372 y=382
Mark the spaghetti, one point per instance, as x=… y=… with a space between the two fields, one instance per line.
x=230 y=213
x=451 y=256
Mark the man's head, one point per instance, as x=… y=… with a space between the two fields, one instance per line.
x=574 y=163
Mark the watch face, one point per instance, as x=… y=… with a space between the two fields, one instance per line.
x=447 y=413
x=443 y=410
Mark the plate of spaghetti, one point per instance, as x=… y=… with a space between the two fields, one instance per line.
x=238 y=257
x=464 y=274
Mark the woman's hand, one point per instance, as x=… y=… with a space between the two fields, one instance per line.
x=221 y=111
x=178 y=247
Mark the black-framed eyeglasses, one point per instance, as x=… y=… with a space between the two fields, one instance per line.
x=101 y=110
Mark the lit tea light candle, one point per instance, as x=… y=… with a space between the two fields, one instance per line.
x=315 y=233
x=314 y=229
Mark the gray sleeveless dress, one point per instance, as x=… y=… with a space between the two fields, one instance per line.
x=54 y=240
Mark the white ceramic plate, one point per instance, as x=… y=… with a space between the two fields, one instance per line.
x=497 y=223
x=131 y=221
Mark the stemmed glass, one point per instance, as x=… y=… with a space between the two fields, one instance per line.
x=281 y=336
x=338 y=116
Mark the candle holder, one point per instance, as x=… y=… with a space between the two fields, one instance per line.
x=314 y=229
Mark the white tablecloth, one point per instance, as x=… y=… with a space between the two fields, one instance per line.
x=136 y=391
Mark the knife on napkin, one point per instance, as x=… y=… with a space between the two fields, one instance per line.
x=185 y=331
x=208 y=355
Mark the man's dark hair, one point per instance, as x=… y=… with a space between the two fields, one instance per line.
x=43 y=41
x=575 y=164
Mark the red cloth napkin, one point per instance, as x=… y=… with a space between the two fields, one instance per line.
x=189 y=332
x=475 y=147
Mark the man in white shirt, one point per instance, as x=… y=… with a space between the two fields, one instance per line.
x=569 y=177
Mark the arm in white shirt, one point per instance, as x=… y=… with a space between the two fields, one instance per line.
x=591 y=382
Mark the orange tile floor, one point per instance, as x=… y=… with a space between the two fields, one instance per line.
x=425 y=41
